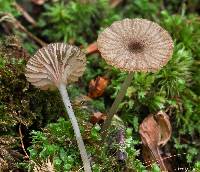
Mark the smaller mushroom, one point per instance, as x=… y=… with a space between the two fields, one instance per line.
x=133 y=45
x=55 y=66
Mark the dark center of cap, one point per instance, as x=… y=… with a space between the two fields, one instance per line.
x=135 y=47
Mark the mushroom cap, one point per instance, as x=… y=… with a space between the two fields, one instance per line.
x=135 y=45
x=54 y=64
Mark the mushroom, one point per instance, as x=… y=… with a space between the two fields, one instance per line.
x=55 y=66
x=133 y=45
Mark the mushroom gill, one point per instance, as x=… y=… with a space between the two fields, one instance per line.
x=55 y=63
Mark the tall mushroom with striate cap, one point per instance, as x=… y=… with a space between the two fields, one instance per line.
x=55 y=66
x=134 y=45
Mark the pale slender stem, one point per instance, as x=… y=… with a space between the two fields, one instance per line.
x=81 y=146
x=113 y=110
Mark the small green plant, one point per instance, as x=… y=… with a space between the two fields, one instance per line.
x=57 y=142
x=7 y=6
x=175 y=89
x=75 y=21
x=197 y=167
x=149 y=9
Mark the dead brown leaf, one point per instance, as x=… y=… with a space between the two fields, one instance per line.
x=97 y=87
x=165 y=127
x=155 y=131
x=150 y=131
x=92 y=48
x=98 y=117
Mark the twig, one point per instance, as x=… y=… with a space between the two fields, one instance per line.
x=80 y=169
x=21 y=139
x=7 y=17
x=36 y=39
x=25 y=14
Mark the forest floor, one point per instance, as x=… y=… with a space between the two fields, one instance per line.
x=35 y=131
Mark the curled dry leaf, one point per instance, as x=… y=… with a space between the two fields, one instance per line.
x=97 y=87
x=155 y=131
x=150 y=132
x=165 y=127
x=150 y=135
x=98 y=117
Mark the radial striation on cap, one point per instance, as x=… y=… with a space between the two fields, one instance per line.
x=135 y=45
x=54 y=64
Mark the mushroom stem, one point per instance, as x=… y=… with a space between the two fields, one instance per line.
x=81 y=146
x=113 y=110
